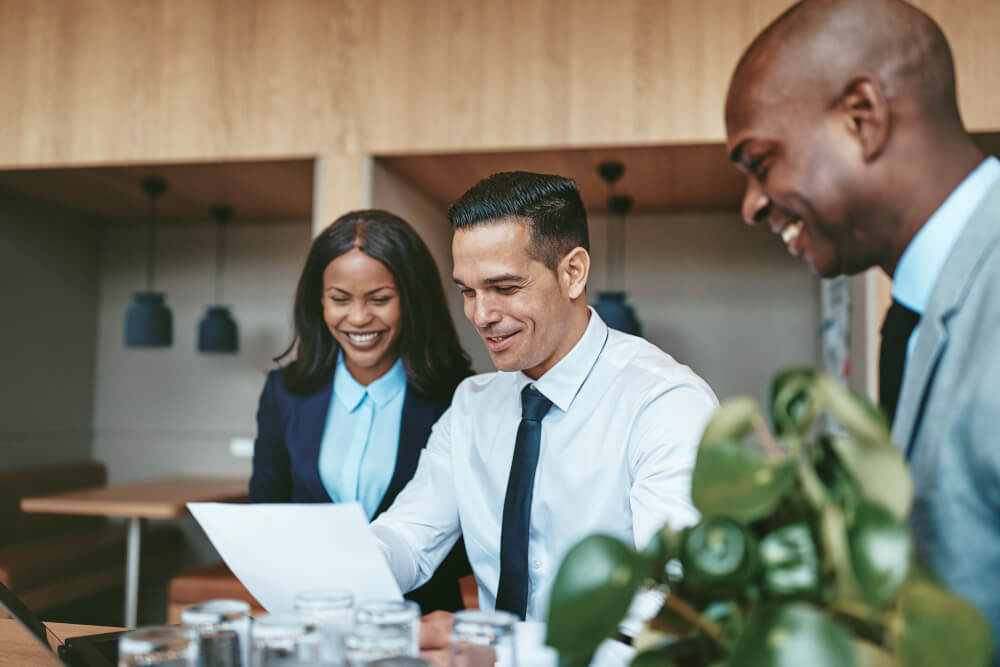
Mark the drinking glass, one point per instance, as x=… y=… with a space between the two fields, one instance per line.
x=483 y=638
x=223 y=628
x=285 y=641
x=158 y=646
x=384 y=629
x=333 y=610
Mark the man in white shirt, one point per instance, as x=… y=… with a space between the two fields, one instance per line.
x=612 y=445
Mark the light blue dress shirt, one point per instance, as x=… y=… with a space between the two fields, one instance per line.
x=920 y=266
x=361 y=438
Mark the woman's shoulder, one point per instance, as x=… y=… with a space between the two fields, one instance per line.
x=276 y=385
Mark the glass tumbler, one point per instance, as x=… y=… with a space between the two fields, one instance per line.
x=158 y=646
x=384 y=629
x=285 y=641
x=223 y=628
x=483 y=638
x=333 y=610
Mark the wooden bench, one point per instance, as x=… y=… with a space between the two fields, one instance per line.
x=51 y=560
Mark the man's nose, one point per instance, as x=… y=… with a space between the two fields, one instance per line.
x=485 y=312
x=755 y=203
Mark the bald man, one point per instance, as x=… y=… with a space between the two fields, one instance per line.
x=843 y=116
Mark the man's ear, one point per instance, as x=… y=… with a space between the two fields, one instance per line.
x=866 y=113
x=573 y=271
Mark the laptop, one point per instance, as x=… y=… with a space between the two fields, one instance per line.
x=100 y=650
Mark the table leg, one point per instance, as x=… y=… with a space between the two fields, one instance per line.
x=132 y=571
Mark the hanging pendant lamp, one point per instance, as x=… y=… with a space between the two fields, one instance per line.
x=148 y=321
x=217 y=330
x=612 y=304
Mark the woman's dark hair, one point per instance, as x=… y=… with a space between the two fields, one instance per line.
x=433 y=359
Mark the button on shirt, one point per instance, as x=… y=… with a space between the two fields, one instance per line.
x=616 y=455
x=361 y=438
x=920 y=266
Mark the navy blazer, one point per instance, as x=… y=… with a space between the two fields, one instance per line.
x=286 y=466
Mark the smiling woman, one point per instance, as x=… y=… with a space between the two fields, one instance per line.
x=374 y=363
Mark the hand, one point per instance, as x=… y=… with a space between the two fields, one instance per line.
x=435 y=630
x=435 y=633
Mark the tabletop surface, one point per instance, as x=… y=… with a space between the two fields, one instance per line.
x=20 y=648
x=153 y=499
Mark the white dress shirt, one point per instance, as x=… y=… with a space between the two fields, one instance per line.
x=617 y=450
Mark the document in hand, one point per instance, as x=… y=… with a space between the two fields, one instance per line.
x=283 y=549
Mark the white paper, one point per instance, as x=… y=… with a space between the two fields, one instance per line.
x=283 y=549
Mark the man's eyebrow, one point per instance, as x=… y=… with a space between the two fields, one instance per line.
x=493 y=280
x=504 y=278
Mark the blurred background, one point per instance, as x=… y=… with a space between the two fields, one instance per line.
x=293 y=112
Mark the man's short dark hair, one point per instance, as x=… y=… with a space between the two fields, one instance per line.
x=550 y=203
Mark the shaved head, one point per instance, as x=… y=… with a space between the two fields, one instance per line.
x=843 y=114
x=817 y=46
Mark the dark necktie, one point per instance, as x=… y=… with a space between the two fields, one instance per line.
x=512 y=591
x=896 y=330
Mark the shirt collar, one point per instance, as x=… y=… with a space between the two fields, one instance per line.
x=561 y=383
x=351 y=393
x=922 y=261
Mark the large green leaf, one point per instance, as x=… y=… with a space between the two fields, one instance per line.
x=879 y=471
x=731 y=480
x=854 y=412
x=733 y=420
x=792 y=408
x=880 y=553
x=791 y=635
x=591 y=593
x=790 y=563
x=935 y=628
x=719 y=556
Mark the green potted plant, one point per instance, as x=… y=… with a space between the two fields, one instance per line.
x=802 y=555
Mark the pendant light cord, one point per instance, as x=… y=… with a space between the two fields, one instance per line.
x=151 y=251
x=220 y=259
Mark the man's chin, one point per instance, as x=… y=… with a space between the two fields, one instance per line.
x=502 y=363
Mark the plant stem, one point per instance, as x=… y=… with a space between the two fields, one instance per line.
x=767 y=440
x=688 y=613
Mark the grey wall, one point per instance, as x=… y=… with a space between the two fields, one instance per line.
x=160 y=412
x=724 y=298
x=49 y=291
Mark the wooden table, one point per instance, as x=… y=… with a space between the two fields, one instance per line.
x=20 y=648
x=137 y=502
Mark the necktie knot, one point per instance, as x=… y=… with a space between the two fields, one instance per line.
x=534 y=405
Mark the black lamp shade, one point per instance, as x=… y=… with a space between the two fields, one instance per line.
x=217 y=331
x=148 y=322
x=616 y=313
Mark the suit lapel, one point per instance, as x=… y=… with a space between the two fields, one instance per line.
x=979 y=234
x=310 y=423
x=418 y=417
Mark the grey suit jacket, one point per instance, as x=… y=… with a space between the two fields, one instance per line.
x=948 y=417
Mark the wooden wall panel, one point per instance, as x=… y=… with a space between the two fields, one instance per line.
x=119 y=81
